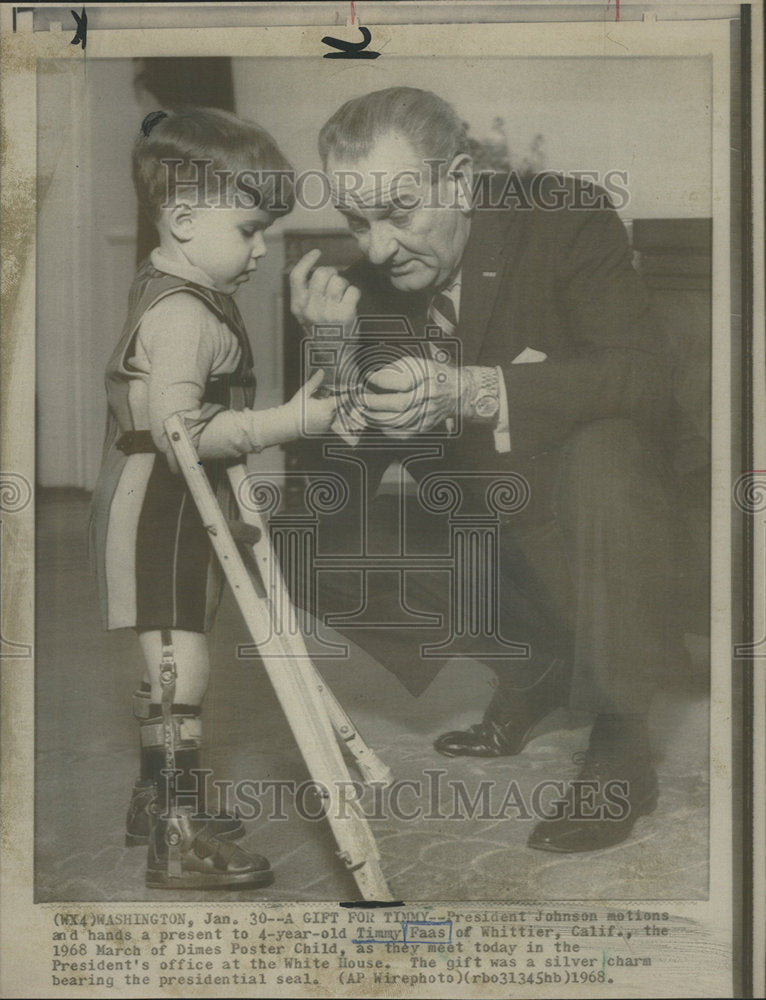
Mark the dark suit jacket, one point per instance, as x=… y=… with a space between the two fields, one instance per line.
x=559 y=281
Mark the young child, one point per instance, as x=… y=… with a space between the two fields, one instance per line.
x=202 y=176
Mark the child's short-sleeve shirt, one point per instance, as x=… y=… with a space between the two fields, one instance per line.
x=184 y=349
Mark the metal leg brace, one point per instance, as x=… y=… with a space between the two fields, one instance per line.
x=168 y=676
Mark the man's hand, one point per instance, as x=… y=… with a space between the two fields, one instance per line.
x=322 y=296
x=412 y=395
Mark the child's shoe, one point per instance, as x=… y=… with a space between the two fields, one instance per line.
x=184 y=854
x=143 y=801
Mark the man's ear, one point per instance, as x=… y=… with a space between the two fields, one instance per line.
x=460 y=174
x=181 y=221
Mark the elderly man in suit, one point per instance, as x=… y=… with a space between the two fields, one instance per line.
x=542 y=274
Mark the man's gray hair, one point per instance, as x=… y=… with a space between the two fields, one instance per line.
x=429 y=123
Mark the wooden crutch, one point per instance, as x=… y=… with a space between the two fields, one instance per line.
x=297 y=688
x=372 y=769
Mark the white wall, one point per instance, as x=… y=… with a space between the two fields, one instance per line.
x=649 y=117
x=85 y=257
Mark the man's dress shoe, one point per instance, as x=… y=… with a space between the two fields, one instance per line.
x=601 y=807
x=510 y=718
x=485 y=739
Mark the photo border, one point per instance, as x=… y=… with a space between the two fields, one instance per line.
x=21 y=49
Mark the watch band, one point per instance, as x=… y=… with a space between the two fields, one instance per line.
x=485 y=402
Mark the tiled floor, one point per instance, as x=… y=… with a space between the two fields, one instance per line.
x=87 y=758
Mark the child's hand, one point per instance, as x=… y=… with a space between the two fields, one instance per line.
x=303 y=414
x=313 y=414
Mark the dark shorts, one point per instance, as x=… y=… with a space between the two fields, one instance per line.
x=154 y=562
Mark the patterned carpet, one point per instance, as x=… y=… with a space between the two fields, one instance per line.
x=87 y=757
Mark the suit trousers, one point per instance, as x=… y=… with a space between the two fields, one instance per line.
x=585 y=571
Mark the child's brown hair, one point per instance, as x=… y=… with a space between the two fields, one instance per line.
x=218 y=158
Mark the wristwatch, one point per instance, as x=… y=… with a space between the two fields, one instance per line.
x=486 y=401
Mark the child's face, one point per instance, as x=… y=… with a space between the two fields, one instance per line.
x=226 y=243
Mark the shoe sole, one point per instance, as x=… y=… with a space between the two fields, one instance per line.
x=202 y=880
x=136 y=840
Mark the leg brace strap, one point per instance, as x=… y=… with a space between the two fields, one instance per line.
x=186 y=730
x=142 y=702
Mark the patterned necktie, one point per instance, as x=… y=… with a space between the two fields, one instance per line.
x=441 y=312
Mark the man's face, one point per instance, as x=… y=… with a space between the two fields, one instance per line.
x=414 y=230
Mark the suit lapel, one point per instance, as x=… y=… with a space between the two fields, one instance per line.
x=483 y=264
x=485 y=270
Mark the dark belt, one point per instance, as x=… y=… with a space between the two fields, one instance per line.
x=137 y=442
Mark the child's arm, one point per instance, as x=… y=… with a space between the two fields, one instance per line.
x=259 y=429
x=184 y=345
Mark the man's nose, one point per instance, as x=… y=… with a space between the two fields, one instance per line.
x=382 y=243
